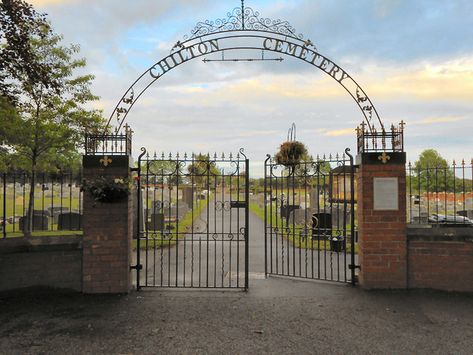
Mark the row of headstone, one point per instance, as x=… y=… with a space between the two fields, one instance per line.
x=297 y=214
x=64 y=221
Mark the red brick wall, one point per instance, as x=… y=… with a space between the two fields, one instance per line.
x=441 y=262
x=382 y=234
x=107 y=238
x=41 y=261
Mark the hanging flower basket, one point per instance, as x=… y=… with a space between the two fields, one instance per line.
x=291 y=153
x=108 y=190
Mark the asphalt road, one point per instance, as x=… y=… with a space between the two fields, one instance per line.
x=214 y=255
x=276 y=316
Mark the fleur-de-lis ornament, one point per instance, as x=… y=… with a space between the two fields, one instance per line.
x=105 y=161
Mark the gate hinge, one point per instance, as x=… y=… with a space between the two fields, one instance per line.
x=133 y=169
x=354 y=267
x=136 y=267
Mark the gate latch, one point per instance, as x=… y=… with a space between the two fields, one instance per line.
x=237 y=204
x=136 y=267
x=354 y=267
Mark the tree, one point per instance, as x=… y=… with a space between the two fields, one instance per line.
x=19 y=23
x=50 y=117
x=431 y=172
x=202 y=169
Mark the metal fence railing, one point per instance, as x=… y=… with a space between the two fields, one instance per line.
x=440 y=195
x=57 y=205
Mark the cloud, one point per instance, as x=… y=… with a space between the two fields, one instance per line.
x=259 y=133
x=430 y=120
x=407 y=55
x=43 y=3
x=341 y=132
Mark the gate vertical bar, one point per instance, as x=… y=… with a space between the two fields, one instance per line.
x=139 y=217
x=266 y=217
x=5 y=206
x=247 y=217
x=352 y=217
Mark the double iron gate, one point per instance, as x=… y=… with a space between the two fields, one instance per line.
x=193 y=221
x=193 y=214
x=310 y=219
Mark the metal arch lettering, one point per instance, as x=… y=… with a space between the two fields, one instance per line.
x=258 y=40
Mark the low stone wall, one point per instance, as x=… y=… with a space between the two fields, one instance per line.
x=440 y=258
x=41 y=261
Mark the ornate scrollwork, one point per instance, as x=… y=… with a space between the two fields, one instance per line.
x=222 y=206
x=248 y=20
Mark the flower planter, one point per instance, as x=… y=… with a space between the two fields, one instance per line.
x=337 y=244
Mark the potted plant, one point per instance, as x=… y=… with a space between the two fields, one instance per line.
x=108 y=190
x=291 y=153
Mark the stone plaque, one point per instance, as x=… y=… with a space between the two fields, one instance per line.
x=385 y=194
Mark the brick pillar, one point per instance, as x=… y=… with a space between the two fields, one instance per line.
x=107 y=231
x=382 y=220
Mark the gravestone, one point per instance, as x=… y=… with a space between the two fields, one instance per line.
x=299 y=216
x=178 y=211
x=286 y=211
x=55 y=211
x=314 y=198
x=188 y=196
x=338 y=215
x=40 y=223
x=321 y=225
x=41 y=213
x=156 y=222
x=69 y=221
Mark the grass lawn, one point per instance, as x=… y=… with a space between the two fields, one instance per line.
x=46 y=234
x=157 y=240
x=16 y=205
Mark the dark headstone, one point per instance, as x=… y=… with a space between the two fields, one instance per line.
x=69 y=221
x=56 y=211
x=188 y=196
x=286 y=210
x=40 y=213
x=156 y=222
x=40 y=223
x=321 y=225
x=157 y=206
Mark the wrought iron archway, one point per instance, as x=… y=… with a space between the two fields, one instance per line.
x=244 y=29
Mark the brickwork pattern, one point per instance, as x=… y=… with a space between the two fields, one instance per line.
x=107 y=239
x=441 y=265
x=45 y=267
x=382 y=234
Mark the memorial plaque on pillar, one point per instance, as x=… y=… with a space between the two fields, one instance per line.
x=385 y=194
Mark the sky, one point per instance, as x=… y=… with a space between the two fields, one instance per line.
x=414 y=59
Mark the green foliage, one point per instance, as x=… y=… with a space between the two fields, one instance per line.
x=105 y=189
x=43 y=102
x=431 y=172
x=202 y=167
x=20 y=62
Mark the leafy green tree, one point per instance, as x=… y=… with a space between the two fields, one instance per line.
x=19 y=23
x=431 y=172
x=50 y=117
x=203 y=169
